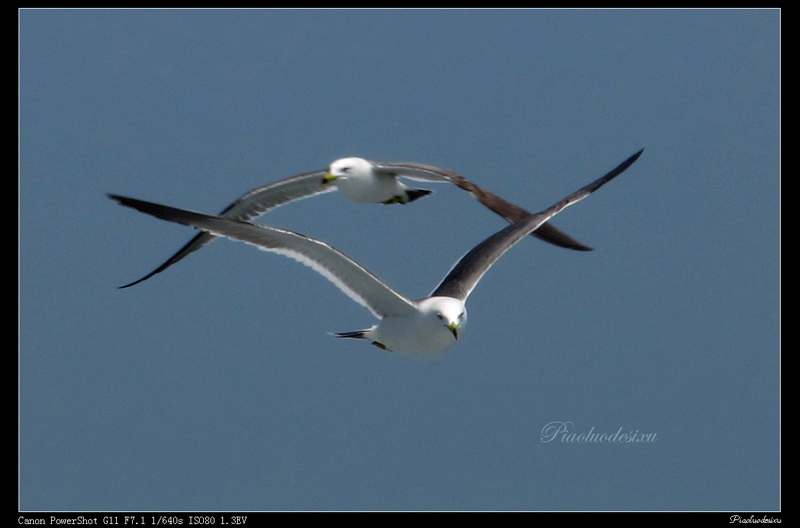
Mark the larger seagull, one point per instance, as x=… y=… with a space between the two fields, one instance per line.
x=362 y=181
x=424 y=326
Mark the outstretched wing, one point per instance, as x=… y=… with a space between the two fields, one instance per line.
x=461 y=280
x=252 y=204
x=506 y=209
x=354 y=280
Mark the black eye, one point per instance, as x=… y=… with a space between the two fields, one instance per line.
x=461 y=315
x=440 y=316
x=346 y=169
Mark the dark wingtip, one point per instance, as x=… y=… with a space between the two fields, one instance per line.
x=555 y=236
x=622 y=167
x=134 y=283
x=121 y=199
x=144 y=207
x=125 y=201
x=581 y=248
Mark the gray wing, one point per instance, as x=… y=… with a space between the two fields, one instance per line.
x=354 y=280
x=461 y=280
x=506 y=209
x=252 y=204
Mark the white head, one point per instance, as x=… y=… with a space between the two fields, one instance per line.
x=445 y=311
x=348 y=169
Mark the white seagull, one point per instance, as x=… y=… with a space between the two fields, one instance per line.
x=362 y=181
x=424 y=326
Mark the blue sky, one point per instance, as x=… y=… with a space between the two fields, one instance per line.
x=215 y=385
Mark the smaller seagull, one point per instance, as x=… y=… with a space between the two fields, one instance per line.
x=362 y=181
x=426 y=326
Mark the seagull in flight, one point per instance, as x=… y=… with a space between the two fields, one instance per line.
x=362 y=181
x=425 y=326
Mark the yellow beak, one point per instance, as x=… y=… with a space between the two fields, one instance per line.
x=328 y=178
x=453 y=328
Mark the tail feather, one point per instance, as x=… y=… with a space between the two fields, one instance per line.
x=415 y=194
x=360 y=334
x=353 y=335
